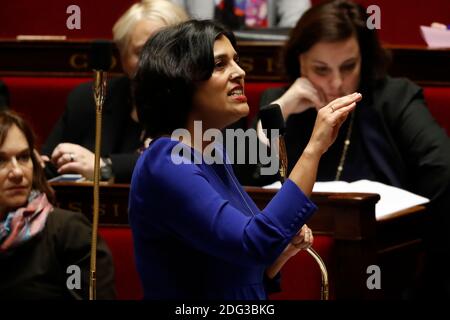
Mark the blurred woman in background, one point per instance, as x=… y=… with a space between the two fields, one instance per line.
x=70 y=145
x=44 y=251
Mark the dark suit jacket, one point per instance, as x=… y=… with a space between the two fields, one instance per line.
x=400 y=141
x=37 y=269
x=120 y=135
x=403 y=141
x=4 y=96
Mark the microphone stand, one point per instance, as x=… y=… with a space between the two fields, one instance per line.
x=274 y=119
x=324 y=290
x=99 y=97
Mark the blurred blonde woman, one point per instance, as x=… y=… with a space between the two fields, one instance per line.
x=70 y=145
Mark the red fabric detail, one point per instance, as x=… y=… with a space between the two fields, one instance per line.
x=438 y=100
x=41 y=101
x=120 y=242
x=301 y=277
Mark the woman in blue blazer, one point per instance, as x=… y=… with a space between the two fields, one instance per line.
x=197 y=234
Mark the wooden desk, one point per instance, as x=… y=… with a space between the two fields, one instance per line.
x=393 y=243
x=260 y=60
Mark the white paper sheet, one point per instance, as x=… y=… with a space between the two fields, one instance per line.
x=392 y=199
x=435 y=38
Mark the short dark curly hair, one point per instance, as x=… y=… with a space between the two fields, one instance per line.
x=331 y=21
x=172 y=64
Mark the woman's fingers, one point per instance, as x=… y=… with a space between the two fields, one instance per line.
x=66 y=153
x=337 y=111
x=301 y=96
x=313 y=97
x=309 y=92
x=343 y=102
x=304 y=239
x=81 y=167
x=71 y=167
x=322 y=96
x=318 y=97
x=62 y=154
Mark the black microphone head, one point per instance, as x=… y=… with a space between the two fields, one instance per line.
x=101 y=55
x=272 y=118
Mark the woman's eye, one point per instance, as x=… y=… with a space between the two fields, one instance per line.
x=23 y=158
x=219 y=64
x=321 y=70
x=348 y=68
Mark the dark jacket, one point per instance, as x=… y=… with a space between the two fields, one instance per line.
x=395 y=140
x=38 y=269
x=120 y=134
x=404 y=144
x=4 y=96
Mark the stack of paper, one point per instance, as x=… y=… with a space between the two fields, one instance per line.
x=67 y=177
x=436 y=38
x=392 y=199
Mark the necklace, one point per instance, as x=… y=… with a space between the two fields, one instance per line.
x=340 y=167
x=231 y=176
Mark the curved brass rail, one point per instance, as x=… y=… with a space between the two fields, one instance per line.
x=324 y=291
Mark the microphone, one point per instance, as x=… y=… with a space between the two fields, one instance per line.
x=100 y=62
x=101 y=54
x=272 y=119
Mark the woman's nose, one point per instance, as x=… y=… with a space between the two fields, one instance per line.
x=16 y=171
x=336 y=82
x=237 y=72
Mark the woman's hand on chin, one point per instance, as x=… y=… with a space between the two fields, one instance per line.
x=301 y=96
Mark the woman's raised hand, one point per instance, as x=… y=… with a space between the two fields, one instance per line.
x=329 y=120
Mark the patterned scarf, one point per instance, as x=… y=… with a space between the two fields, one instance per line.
x=24 y=223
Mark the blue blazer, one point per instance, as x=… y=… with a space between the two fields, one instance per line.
x=198 y=235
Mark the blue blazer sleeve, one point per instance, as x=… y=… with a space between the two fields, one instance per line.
x=180 y=200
